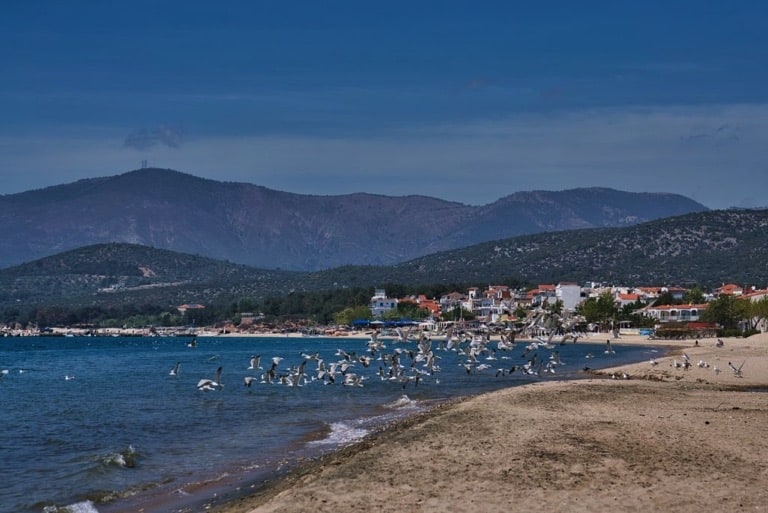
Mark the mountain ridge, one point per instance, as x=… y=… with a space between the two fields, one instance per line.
x=254 y=225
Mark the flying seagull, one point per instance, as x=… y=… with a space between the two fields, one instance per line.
x=211 y=384
x=175 y=370
x=737 y=370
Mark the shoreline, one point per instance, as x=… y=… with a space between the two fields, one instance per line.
x=404 y=467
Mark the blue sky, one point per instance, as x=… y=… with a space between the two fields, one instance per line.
x=465 y=101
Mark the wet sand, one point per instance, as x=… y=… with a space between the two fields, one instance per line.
x=665 y=439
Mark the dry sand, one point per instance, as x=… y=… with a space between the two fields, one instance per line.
x=667 y=439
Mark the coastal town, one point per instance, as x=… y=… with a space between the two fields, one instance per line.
x=493 y=308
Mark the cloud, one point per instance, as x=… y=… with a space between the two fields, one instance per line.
x=716 y=136
x=147 y=138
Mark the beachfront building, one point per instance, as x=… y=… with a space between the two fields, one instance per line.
x=569 y=293
x=381 y=304
x=675 y=313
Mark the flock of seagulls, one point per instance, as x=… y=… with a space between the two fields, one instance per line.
x=402 y=360
x=405 y=360
x=685 y=363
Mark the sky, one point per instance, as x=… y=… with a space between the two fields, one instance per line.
x=467 y=101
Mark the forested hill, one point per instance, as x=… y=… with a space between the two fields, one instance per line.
x=706 y=249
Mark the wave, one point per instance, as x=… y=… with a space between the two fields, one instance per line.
x=78 y=507
x=125 y=458
x=343 y=433
x=403 y=402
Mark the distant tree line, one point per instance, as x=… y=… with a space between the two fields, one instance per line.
x=322 y=307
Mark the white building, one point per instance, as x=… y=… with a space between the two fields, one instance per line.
x=570 y=295
x=381 y=304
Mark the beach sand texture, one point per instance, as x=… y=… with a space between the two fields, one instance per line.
x=666 y=439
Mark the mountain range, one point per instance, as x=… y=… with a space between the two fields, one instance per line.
x=259 y=227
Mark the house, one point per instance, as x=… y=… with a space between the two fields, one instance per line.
x=429 y=304
x=623 y=299
x=194 y=306
x=755 y=294
x=381 y=304
x=451 y=301
x=729 y=289
x=541 y=294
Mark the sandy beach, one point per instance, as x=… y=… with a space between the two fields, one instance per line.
x=661 y=438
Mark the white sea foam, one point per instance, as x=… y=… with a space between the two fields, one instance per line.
x=342 y=433
x=77 y=507
x=402 y=402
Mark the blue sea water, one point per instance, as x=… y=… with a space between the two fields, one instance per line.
x=92 y=424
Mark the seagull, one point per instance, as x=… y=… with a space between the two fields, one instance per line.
x=270 y=375
x=654 y=362
x=211 y=384
x=175 y=370
x=3 y=373
x=737 y=370
x=255 y=362
x=248 y=380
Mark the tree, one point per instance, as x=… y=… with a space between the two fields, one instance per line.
x=757 y=312
x=458 y=313
x=599 y=310
x=521 y=312
x=694 y=296
x=726 y=311
x=666 y=298
x=351 y=314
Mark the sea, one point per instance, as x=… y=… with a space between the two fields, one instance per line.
x=100 y=424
